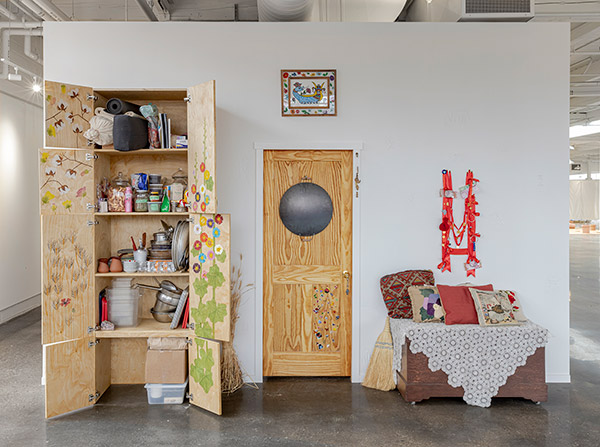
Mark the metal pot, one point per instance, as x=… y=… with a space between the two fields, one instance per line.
x=160 y=306
x=162 y=317
x=161 y=236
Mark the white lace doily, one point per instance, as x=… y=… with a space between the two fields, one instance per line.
x=479 y=359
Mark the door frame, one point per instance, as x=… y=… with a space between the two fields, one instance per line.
x=356 y=147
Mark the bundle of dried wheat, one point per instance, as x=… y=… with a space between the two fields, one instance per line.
x=232 y=377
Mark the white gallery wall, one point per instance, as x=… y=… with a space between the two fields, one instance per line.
x=420 y=97
x=21 y=136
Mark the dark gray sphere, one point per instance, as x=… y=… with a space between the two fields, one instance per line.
x=305 y=209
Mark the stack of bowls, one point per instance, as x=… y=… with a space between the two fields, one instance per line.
x=167 y=299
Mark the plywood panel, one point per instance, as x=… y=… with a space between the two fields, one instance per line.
x=66 y=182
x=67 y=114
x=102 y=361
x=210 y=272
x=67 y=277
x=307 y=299
x=128 y=360
x=164 y=164
x=205 y=374
x=202 y=148
x=69 y=376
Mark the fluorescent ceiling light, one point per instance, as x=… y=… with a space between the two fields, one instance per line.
x=581 y=131
x=595 y=123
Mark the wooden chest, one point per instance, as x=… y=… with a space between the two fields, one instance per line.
x=417 y=382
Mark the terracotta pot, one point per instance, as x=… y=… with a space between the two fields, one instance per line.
x=103 y=265
x=116 y=265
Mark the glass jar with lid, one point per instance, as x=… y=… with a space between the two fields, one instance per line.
x=178 y=185
x=116 y=193
x=141 y=201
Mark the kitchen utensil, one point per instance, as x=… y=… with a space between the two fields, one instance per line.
x=164 y=295
x=133 y=243
x=130 y=266
x=140 y=257
x=180 y=308
x=162 y=317
x=168 y=285
x=144 y=240
x=161 y=236
x=103 y=265
x=115 y=265
x=161 y=306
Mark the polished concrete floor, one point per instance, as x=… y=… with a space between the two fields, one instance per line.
x=316 y=412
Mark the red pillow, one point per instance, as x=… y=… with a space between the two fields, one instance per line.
x=458 y=303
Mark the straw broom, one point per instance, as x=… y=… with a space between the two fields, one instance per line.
x=380 y=373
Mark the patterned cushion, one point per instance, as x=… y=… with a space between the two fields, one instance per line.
x=516 y=306
x=426 y=304
x=394 y=289
x=493 y=308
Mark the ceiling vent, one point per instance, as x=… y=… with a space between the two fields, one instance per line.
x=470 y=11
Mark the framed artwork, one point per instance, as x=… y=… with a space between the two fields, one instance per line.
x=308 y=93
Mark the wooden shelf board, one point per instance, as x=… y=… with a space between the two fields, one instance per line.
x=141 y=275
x=145 y=94
x=147 y=328
x=142 y=214
x=141 y=152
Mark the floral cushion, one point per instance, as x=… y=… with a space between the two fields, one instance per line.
x=493 y=308
x=426 y=304
x=394 y=289
x=516 y=306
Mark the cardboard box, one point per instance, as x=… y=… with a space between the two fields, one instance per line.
x=166 y=366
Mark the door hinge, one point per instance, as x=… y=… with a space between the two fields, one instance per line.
x=90 y=206
x=356 y=181
x=188 y=98
x=192 y=326
x=188 y=341
x=189 y=396
x=90 y=157
x=92 y=222
x=93 y=397
x=90 y=142
x=94 y=97
x=91 y=329
x=91 y=344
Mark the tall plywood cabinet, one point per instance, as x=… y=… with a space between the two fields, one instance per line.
x=81 y=360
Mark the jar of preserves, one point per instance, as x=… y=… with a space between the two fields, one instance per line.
x=141 y=201
x=116 y=194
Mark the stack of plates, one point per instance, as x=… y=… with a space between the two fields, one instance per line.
x=180 y=245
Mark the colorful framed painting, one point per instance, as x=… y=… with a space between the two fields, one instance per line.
x=308 y=93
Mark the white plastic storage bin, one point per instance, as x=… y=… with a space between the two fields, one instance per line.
x=123 y=306
x=166 y=393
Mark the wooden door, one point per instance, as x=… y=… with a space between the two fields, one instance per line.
x=204 y=358
x=201 y=147
x=307 y=297
x=68 y=110
x=66 y=179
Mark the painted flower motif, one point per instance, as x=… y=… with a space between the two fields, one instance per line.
x=51 y=130
x=197 y=229
x=195 y=206
x=81 y=192
x=209 y=243
x=67 y=204
x=196 y=267
x=194 y=189
x=285 y=75
x=202 y=220
x=216 y=232
x=50 y=171
x=85 y=109
x=59 y=124
x=218 y=249
x=211 y=255
x=62 y=106
x=202 y=189
x=210 y=223
x=74 y=93
x=69 y=117
x=205 y=274
x=197 y=197
x=63 y=189
x=202 y=258
x=331 y=78
x=71 y=173
x=203 y=206
x=204 y=237
x=197 y=245
x=202 y=167
x=47 y=197
x=219 y=219
x=207 y=199
x=77 y=128
x=206 y=175
x=65 y=302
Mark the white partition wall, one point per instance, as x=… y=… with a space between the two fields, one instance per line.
x=421 y=97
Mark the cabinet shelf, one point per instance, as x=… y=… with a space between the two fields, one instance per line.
x=147 y=328
x=142 y=152
x=141 y=275
x=140 y=214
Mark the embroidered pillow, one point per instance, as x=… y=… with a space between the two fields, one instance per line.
x=458 y=304
x=493 y=308
x=394 y=289
x=426 y=304
x=516 y=306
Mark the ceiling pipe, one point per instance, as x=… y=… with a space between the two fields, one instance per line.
x=8 y=13
x=284 y=10
x=24 y=10
x=55 y=12
x=28 y=52
x=147 y=10
x=6 y=35
x=37 y=10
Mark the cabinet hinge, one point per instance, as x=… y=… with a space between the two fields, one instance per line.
x=188 y=98
x=91 y=329
x=94 y=97
x=189 y=396
x=90 y=157
x=92 y=222
x=91 y=344
x=188 y=341
x=192 y=326
x=90 y=206
x=93 y=397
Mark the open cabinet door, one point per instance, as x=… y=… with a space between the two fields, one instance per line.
x=67 y=277
x=66 y=181
x=201 y=147
x=67 y=114
x=205 y=374
x=69 y=376
x=210 y=289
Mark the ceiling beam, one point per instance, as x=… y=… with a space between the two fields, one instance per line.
x=147 y=10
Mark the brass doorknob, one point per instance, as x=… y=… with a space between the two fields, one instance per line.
x=346 y=274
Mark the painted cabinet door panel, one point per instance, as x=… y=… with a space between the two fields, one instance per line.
x=68 y=110
x=307 y=294
x=205 y=374
x=69 y=376
x=66 y=182
x=201 y=148
x=67 y=277
x=210 y=277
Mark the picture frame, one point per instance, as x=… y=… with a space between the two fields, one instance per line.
x=309 y=92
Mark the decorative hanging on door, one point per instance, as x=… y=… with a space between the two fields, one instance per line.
x=453 y=234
